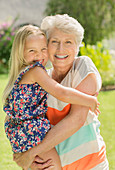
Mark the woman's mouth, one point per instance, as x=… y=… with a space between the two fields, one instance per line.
x=61 y=56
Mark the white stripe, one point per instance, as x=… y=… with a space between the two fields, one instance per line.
x=91 y=117
x=102 y=166
x=80 y=152
x=56 y=104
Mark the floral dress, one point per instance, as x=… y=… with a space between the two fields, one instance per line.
x=26 y=106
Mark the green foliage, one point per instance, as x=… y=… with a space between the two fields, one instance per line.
x=96 y=16
x=101 y=58
x=99 y=55
x=7 y=33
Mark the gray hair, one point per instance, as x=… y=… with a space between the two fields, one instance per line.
x=66 y=24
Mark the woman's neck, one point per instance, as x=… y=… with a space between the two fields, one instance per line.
x=59 y=73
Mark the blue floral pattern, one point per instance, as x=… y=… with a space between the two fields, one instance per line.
x=26 y=106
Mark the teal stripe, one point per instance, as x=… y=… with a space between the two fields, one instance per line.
x=84 y=135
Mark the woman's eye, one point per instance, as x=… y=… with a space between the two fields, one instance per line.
x=68 y=42
x=54 y=41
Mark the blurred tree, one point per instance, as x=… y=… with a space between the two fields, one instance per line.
x=96 y=16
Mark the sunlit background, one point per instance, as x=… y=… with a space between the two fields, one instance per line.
x=98 y=19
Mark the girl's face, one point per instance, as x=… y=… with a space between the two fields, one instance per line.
x=62 y=49
x=35 y=49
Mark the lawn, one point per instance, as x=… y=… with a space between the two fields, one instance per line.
x=107 y=118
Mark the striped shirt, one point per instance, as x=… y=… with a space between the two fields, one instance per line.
x=85 y=149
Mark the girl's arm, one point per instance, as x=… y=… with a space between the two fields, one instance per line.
x=76 y=118
x=65 y=94
x=62 y=130
x=72 y=122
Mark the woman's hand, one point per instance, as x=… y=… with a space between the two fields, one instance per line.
x=6 y=118
x=38 y=163
x=24 y=159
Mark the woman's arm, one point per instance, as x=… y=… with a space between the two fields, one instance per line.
x=56 y=135
x=62 y=130
x=78 y=113
x=65 y=94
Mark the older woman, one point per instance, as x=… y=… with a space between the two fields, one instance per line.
x=78 y=128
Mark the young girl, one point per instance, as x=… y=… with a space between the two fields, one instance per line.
x=25 y=96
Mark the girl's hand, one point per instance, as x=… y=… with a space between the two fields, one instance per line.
x=97 y=111
x=95 y=106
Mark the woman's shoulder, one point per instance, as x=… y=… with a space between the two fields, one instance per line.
x=83 y=66
x=83 y=59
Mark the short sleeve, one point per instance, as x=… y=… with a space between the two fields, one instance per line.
x=82 y=67
x=27 y=68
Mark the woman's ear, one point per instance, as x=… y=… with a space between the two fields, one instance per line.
x=77 y=51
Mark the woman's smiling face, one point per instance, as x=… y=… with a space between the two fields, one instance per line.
x=62 y=48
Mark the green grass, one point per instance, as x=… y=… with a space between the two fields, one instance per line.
x=107 y=118
x=6 y=162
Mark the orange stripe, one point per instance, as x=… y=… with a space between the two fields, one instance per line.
x=88 y=162
x=54 y=115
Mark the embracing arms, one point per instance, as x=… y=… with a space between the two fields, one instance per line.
x=65 y=94
x=78 y=114
x=62 y=130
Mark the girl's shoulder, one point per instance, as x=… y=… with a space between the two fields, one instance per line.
x=32 y=66
x=28 y=73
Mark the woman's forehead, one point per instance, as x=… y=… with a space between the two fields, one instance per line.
x=57 y=34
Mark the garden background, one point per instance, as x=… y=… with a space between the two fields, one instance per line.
x=98 y=19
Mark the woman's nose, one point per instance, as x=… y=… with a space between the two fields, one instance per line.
x=60 y=46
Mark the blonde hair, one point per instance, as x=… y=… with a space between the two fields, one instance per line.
x=17 y=61
x=66 y=24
